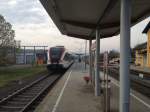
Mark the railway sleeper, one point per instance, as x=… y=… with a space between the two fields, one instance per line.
x=26 y=96
x=29 y=94
x=20 y=99
x=16 y=103
x=10 y=108
x=34 y=90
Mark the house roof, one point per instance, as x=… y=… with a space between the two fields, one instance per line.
x=80 y=18
x=140 y=46
x=146 y=28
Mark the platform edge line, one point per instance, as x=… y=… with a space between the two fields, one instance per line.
x=134 y=96
x=61 y=93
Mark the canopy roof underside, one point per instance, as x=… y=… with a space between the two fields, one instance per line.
x=80 y=18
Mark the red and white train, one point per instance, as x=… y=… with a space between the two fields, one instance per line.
x=59 y=58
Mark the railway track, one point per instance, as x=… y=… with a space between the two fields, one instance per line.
x=27 y=98
x=136 y=83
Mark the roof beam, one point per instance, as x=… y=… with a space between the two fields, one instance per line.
x=108 y=8
x=80 y=24
x=110 y=25
x=88 y=37
x=142 y=16
x=139 y=18
x=80 y=36
x=90 y=25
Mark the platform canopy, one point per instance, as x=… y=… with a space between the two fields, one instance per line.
x=80 y=18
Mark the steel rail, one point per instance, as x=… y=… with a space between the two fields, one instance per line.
x=26 y=97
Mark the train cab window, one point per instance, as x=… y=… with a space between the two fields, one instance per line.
x=56 y=53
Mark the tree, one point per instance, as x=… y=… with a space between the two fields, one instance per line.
x=113 y=54
x=6 y=33
x=7 y=40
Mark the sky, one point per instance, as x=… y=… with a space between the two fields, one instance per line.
x=33 y=26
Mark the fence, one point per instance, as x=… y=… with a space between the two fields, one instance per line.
x=22 y=55
x=7 y=55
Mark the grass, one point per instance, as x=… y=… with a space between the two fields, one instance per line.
x=8 y=75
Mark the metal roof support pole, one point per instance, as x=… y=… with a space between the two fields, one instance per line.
x=97 y=70
x=125 y=55
x=44 y=55
x=24 y=56
x=90 y=58
x=93 y=67
x=34 y=55
x=85 y=53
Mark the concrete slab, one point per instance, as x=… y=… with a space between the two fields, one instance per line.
x=138 y=102
x=71 y=94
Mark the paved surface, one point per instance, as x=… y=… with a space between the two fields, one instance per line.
x=71 y=94
x=138 y=102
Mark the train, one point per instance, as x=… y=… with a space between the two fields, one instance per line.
x=59 y=59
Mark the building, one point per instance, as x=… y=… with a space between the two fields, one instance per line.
x=28 y=56
x=147 y=31
x=142 y=51
x=141 y=55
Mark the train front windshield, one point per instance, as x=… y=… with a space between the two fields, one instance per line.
x=55 y=54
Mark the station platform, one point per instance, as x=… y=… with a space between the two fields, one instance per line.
x=144 y=70
x=138 y=69
x=72 y=94
x=138 y=102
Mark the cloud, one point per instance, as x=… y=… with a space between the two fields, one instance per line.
x=42 y=34
x=35 y=9
x=12 y=2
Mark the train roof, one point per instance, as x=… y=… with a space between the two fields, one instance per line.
x=58 y=47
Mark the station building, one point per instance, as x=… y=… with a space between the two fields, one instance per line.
x=142 y=51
